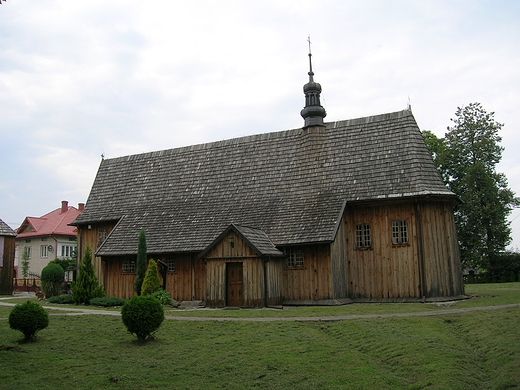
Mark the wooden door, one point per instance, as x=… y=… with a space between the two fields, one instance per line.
x=234 y=282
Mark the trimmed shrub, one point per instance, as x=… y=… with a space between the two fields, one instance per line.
x=52 y=279
x=86 y=285
x=142 y=316
x=107 y=302
x=162 y=296
x=28 y=318
x=151 y=281
x=61 y=299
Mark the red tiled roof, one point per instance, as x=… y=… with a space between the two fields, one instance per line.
x=54 y=223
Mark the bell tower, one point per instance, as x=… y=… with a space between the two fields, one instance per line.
x=313 y=112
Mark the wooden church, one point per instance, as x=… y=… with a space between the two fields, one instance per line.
x=329 y=213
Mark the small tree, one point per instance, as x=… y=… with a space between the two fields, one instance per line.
x=86 y=286
x=142 y=316
x=151 y=281
x=52 y=280
x=141 y=262
x=25 y=262
x=28 y=318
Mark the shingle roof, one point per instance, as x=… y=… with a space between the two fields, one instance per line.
x=5 y=230
x=289 y=184
x=255 y=238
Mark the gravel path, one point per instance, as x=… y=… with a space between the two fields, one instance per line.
x=440 y=312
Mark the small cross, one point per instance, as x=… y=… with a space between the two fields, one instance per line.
x=309 y=40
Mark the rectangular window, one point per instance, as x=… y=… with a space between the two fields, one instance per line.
x=294 y=258
x=44 y=251
x=363 y=239
x=102 y=235
x=67 y=250
x=171 y=265
x=399 y=233
x=128 y=266
x=28 y=252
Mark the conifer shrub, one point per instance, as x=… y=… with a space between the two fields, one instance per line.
x=86 y=285
x=142 y=316
x=52 y=279
x=141 y=262
x=151 y=282
x=61 y=299
x=107 y=301
x=28 y=318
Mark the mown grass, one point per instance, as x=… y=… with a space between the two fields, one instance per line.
x=474 y=350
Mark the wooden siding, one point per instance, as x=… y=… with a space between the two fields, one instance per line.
x=7 y=270
x=256 y=292
x=338 y=253
x=442 y=269
x=186 y=283
x=383 y=270
x=90 y=237
x=312 y=281
x=428 y=266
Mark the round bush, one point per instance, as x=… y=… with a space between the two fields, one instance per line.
x=142 y=316
x=28 y=318
x=52 y=279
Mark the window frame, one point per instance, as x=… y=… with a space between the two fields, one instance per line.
x=44 y=251
x=363 y=236
x=128 y=266
x=294 y=259
x=400 y=233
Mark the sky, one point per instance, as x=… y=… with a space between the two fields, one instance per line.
x=82 y=79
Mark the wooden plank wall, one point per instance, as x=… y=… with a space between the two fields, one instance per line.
x=233 y=249
x=90 y=237
x=275 y=268
x=186 y=283
x=338 y=261
x=7 y=270
x=384 y=271
x=117 y=283
x=442 y=269
x=313 y=280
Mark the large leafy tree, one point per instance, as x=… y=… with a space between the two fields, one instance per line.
x=467 y=158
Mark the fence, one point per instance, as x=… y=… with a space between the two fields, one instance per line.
x=26 y=284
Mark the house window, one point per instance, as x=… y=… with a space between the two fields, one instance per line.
x=67 y=250
x=399 y=233
x=363 y=240
x=102 y=235
x=28 y=252
x=294 y=258
x=128 y=266
x=170 y=263
x=44 y=251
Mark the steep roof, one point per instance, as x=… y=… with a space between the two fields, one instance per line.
x=292 y=184
x=55 y=223
x=5 y=230
x=255 y=238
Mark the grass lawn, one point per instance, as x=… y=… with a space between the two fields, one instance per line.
x=474 y=350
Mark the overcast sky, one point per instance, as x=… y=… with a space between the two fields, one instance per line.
x=79 y=79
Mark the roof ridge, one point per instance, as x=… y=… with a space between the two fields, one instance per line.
x=259 y=136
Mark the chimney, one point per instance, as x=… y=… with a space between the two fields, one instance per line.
x=64 y=206
x=81 y=206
